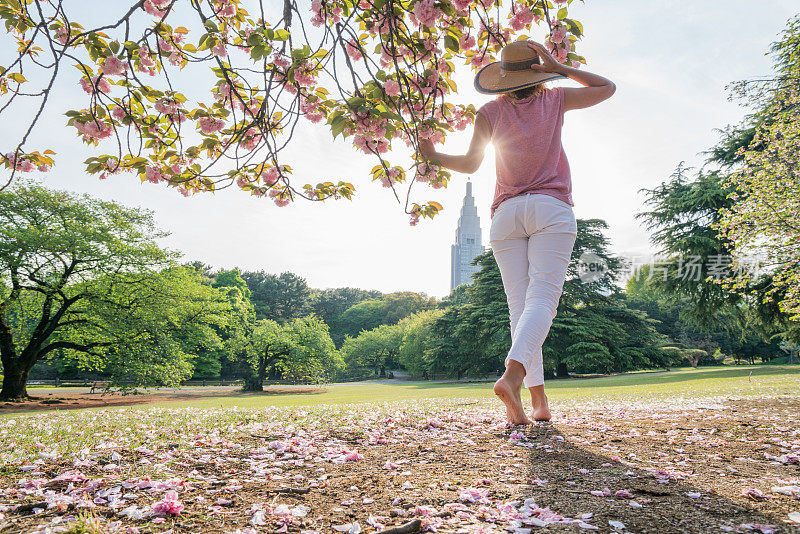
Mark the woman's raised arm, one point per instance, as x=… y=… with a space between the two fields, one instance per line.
x=596 y=88
x=469 y=162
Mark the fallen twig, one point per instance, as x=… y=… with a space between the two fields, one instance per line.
x=289 y=490
x=412 y=526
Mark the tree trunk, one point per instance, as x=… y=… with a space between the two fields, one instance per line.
x=255 y=381
x=15 y=378
x=561 y=370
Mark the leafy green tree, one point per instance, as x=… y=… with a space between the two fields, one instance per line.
x=300 y=350
x=280 y=298
x=314 y=356
x=457 y=296
x=148 y=332
x=729 y=232
x=604 y=338
x=683 y=213
x=61 y=255
x=472 y=338
x=265 y=347
x=387 y=310
x=232 y=278
x=418 y=340
x=373 y=350
x=404 y=303
x=205 y=270
x=330 y=304
x=364 y=316
x=741 y=339
x=216 y=355
x=762 y=217
x=236 y=333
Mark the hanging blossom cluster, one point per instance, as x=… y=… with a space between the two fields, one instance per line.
x=379 y=72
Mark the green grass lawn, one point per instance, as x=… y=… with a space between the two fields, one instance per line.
x=772 y=381
x=745 y=381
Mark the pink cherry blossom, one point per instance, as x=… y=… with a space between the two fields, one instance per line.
x=427 y=13
x=169 y=505
x=96 y=84
x=227 y=10
x=93 y=129
x=755 y=494
x=167 y=106
x=270 y=176
x=62 y=35
x=466 y=42
x=392 y=88
x=157 y=8
x=279 y=200
x=152 y=174
x=113 y=66
x=559 y=34
x=209 y=125
x=219 y=49
x=353 y=50
x=480 y=60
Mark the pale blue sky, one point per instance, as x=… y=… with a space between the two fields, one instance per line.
x=670 y=60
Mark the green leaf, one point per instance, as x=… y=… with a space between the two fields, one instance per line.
x=451 y=43
x=337 y=125
x=574 y=26
x=301 y=53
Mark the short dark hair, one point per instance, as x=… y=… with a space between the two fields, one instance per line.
x=525 y=92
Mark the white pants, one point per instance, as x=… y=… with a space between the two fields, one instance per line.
x=532 y=237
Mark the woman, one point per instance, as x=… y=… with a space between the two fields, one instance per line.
x=533 y=226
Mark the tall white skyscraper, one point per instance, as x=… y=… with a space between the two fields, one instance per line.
x=468 y=243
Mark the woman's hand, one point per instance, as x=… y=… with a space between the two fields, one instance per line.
x=548 y=62
x=426 y=148
x=469 y=162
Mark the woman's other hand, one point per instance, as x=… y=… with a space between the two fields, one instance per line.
x=426 y=148
x=469 y=162
x=595 y=87
x=548 y=62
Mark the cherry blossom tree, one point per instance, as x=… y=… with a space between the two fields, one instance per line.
x=764 y=218
x=378 y=72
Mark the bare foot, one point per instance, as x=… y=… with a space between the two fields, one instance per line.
x=511 y=398
x=541 y=410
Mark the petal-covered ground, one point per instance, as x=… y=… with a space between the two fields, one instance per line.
x=708 y=465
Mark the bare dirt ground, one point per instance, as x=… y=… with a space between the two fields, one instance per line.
x=724 y=468
x=72 y=400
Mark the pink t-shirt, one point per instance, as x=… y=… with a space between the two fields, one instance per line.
x=529 y=157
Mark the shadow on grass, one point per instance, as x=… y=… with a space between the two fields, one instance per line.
x=666 y=506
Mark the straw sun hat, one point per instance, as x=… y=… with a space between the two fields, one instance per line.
x=513 y=71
